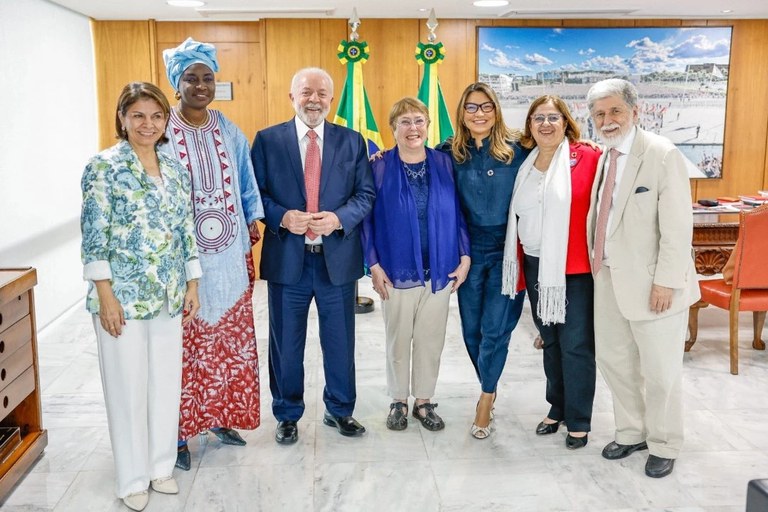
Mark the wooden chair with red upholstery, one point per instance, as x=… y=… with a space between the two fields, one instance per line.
x=748 y=290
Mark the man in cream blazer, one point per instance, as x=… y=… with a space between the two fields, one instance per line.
x=645 y=279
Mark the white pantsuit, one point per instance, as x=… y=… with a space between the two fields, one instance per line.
x=141 y=376
x=648 y=242
x=414 y=322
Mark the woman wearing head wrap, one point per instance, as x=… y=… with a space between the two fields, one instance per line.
x=141 y=260
x=220 y=379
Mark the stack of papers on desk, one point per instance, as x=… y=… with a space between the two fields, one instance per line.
x=754 y=200
x=721 y=208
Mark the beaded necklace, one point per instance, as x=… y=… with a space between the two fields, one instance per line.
x=415 y=173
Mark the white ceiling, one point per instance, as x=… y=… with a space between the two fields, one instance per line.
x=241 y=10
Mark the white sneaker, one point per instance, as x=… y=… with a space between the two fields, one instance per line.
x=137 y=500
x=165 y=485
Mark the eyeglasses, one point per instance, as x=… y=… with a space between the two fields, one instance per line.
x=407 y=122
x=550 y=118
x=486 y=107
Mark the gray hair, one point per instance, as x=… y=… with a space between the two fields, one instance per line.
x=311 y=71
x=612 y=87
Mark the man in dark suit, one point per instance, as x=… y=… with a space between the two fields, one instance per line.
x=316 y=185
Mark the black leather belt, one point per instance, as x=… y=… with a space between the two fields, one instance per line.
x=314 y=248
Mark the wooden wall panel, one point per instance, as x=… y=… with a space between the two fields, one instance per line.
x=744 y=160
x=292 y=44
x=123 y=54
x=220 y=32
x=392 y=72
x=459 y=68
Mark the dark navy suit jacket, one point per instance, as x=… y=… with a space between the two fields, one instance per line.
x=346 y=188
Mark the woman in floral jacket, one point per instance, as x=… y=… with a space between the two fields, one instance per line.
x=140 y=257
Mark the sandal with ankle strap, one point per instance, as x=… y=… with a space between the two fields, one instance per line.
x=483 y=432
x=430 y=420
x=398 y=416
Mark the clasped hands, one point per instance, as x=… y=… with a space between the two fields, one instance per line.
x=321 y=223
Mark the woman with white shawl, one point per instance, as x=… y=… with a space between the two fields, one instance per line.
x=547 y=218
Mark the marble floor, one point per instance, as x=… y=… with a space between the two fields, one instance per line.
x=414 y=470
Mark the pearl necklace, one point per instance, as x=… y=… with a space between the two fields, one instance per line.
x=190 y=123
x=415 y=174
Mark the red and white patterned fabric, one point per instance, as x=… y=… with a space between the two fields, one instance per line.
x=220 y=374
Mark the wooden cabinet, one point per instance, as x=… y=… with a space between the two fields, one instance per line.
x=19 y=375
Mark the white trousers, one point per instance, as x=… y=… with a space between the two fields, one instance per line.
x=414 y=322
x=642 y=363
x=141 y=376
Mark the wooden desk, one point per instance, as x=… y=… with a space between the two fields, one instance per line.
x=714 y=236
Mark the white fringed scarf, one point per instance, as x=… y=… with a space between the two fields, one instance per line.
x=556 y=214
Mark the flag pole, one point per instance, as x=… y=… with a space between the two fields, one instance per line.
x=354 y=112
x=430 y=55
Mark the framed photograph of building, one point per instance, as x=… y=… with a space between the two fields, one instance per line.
x=681 y=75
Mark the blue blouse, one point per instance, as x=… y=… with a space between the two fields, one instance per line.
x=391 y=235
x=418 y=179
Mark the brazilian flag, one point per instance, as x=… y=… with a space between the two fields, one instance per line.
x=440 y=128
x=354 y=108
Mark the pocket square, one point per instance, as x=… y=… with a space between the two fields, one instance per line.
x=639 y=190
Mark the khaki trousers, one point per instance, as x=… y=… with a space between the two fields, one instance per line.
x=414 y=323
x=642 y=363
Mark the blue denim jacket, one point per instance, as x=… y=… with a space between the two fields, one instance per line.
x=485 y=185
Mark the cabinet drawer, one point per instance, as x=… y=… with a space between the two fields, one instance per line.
x=17 y=391
x=15 y=365
x=13 y=338
x=13 y=310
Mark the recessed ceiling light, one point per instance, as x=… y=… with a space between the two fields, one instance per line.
x=727 y=11
x=185 y=3
x=490 y=3
x=423 y=9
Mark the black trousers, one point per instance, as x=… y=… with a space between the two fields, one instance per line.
x=569 y=349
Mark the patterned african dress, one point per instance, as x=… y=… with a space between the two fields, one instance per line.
x=220 y=375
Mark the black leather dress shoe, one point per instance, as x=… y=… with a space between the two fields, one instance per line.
x=287 y=432
x=574 y=443
x=228 y=436
x=183 y=458
x=658 y=467
x=542 y=429
x=614 y=450
x=346 y=425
